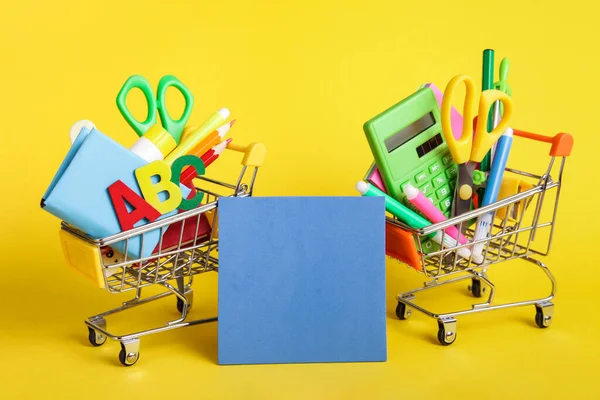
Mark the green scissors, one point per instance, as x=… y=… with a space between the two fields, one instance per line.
x=173 y=127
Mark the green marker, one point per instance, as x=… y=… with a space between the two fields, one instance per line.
x=396 y=208
x=413 y=219
x=487 y=84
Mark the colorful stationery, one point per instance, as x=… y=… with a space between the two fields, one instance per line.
x=411 y=218
x=407 y=143
x=208 y=158
x=471 y=147
x=373 y=176
x=191 y=140
x=487 y=83
x=212 y=139
x=78 y=192
x=494 y=182
x=156 y=105
x=419 y=200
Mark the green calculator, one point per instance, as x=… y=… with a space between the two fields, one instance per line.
x=409 y=147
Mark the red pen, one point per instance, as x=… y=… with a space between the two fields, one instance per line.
x=207 y=158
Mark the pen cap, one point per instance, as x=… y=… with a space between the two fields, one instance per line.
x=156 y=144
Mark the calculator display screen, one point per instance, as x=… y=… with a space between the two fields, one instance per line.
x=414 y=129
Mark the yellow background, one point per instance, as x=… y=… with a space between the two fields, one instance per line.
x=302 y=77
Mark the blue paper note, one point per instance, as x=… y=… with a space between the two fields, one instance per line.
x=78 y=193
x=301 y=279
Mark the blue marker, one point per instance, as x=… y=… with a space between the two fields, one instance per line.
x=500 y=159
x=492 y=189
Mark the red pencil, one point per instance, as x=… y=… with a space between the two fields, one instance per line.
x=208 y=158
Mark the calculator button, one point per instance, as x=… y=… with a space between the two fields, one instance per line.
x=403 y=184
x=426 y=189
x=420 y=177
x=439 y=181
x=445 y=204
x=452 y=172
x=431 y=199
x=446 y=160
x=434 y=168
x=443 y=191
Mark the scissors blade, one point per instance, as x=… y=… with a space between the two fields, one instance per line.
x=463 y=191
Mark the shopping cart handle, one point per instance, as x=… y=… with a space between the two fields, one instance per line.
x=562 y=143
x=254 y=153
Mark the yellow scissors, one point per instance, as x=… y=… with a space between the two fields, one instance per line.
x=470 y=150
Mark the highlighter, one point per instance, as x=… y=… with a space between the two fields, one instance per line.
x=211 y=140
x=494 y=181
x=422 y=204
x=191 y=140
x=410 y=217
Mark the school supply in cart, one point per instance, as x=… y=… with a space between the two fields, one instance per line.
x=483 y=193
x=409 y=217
x=493 y=187
x=407 y=143
x=183 y=234
x=171 y=270
x=78 y=192
x=373 y=175
x=472 y=146
x=156 y=105
x=430 y=211
x=191 y=140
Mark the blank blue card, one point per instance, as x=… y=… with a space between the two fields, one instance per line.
x=301 y=279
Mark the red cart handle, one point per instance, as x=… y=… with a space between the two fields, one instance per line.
x=562 y=143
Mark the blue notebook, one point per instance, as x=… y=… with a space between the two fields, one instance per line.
x=301 y=279
x=78 y=192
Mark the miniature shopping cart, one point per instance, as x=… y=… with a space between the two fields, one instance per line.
x=172 y=268
x=523 y=228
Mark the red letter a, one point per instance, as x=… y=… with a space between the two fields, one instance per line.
x=119 y=193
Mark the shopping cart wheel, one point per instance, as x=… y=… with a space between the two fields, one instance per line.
x=475 y=287
x=96 y=338
x=446 y=331
x=129 y=353
x=543 y=314
x=402 y=312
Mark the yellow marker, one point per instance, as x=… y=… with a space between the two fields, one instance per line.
x=188 y=142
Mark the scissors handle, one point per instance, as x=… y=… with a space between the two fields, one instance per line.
x=137 y=81
x=459 y=148
x=483 y=141
x=174 y=127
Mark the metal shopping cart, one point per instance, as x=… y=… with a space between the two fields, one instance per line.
x=518 y=220
x=172 y=268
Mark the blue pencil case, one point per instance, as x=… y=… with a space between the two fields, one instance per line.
x=78 y=192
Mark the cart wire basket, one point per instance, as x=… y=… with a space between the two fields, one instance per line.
x=518 y=220
x=172 y=267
